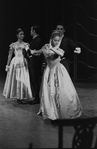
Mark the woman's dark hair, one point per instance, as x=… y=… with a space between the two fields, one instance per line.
x=18 y=31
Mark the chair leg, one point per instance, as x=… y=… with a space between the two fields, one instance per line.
x=95 y=147
x=60 y=137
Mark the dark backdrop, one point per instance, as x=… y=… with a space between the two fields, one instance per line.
x=79 y=18
x=19 y=14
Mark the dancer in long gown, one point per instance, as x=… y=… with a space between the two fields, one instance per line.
x=59 y=98
x=17 y=83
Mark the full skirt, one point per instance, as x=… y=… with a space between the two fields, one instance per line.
x=17 y=83
x=58 y=96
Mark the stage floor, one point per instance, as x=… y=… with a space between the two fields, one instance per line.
x=20 y=125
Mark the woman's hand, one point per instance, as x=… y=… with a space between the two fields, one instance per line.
x=36 y=52
x=7 y=68
x=33 y=52
x=58 y=51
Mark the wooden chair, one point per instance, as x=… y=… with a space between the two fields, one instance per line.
x=83 y=126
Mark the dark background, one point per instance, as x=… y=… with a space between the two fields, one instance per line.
x=79 y=18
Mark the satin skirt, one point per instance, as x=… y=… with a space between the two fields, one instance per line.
x=59 y=98
x=17 y=83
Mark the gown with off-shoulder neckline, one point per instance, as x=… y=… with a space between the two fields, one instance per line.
x=58 y=96
x=17 y=83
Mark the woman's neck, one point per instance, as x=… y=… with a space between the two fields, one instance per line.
x=53 y=47
x=20 y=41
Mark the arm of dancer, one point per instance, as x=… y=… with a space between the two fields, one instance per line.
x=11 y=52
x=38 y=52
x=35 y=52
x=74 y=45
x=58 y=51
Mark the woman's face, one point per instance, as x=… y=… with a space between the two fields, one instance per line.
x=20 y=35
x=56 y=40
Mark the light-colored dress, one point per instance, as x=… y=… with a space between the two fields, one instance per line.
x=17 y=83
x=58 y=96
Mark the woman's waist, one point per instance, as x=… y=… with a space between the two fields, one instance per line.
x=19 y=59
x=19 y=55
x=19 y=63
x=53 y=63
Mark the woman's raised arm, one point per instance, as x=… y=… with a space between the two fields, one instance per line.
x=58 y=51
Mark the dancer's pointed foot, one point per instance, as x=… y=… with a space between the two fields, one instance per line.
x=39 y=113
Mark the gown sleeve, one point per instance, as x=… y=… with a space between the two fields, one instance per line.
x=45 y=50
x=61 y=51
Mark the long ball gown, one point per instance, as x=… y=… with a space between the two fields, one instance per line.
x=59 y=99
x=17 y=83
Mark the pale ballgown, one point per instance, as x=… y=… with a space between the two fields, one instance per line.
x=59 y=98
x=17 y=83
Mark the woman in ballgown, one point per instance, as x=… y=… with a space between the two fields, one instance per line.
x=17 y=83
x=58 y=96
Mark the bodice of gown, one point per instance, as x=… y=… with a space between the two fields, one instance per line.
x=18 y=48
x=51 y=58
